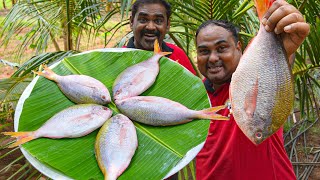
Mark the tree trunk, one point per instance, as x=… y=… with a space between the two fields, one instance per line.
x=56 y=45
x=67 y=24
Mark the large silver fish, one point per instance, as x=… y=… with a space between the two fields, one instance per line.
x=115 y=146
x=261 y=89
x=75 y=121
x=80 y=89
x=159 y=111
x=136 y=79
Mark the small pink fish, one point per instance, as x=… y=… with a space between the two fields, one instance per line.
x=75 y=121
x=136 y=79
x=80 y=89
x=115 y=146
x=261 y=88
x=159 y=111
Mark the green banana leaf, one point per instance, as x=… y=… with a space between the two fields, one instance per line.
x=160 y=149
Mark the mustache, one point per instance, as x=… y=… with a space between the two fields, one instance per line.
x=155 y=32
x=215 y=64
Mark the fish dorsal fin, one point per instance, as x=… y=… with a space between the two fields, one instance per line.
x=157 y=50
x=250 y=102
x=262 y=6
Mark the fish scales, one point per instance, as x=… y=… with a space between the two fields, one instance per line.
x=85 y=91
x=75 y=121
x=115 y=146
x=80 y=89
x=261 y=88
x=159 y=111
x=138 y=78
x=155 y=111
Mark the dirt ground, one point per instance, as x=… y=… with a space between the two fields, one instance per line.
x=6 y=71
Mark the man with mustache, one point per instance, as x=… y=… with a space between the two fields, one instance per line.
x=150 y=20
x=227 y=152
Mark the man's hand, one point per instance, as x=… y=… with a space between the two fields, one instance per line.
x=285 y=19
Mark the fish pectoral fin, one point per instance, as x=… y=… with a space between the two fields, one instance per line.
x=156 y=47
x=250 y=102
x=157 y=50
x=211 y=113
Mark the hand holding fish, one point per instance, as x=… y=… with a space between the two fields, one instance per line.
x=283 y=18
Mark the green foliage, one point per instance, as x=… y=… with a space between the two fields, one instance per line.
x=47 y=21
x=188 y=15
x=7 y=3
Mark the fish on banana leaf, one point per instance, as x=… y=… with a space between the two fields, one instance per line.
x=136 y=79
x=75 y=121
x=81 y=89
x=115 y=146
x=159 y=111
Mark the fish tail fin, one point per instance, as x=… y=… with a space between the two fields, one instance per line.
x=157 y=50
x=262 y=6
x=210 y=113
x=48 y=73
x=22 y=137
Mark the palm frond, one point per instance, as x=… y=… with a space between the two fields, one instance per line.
x=12 y=88
x=36 y=61
x=46 y=21
x=7 y=63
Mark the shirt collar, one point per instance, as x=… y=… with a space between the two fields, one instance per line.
x=208 y=85
x=164 y=47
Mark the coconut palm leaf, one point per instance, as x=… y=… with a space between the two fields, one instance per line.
x=36 y=61
x=306 y=73
x=46 y=21
x=160 y=148
x=189 y=14
x=12 y=88
x=7 y=63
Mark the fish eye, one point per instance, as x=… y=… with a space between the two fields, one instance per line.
x=258 y=135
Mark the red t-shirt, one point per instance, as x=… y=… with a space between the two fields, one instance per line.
x=177 y=54
x=228 y=154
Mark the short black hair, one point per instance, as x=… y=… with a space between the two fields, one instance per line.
x=138 y=3
x=222 y=23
